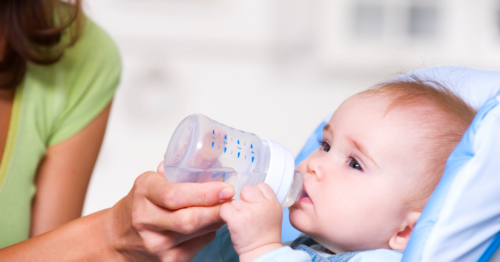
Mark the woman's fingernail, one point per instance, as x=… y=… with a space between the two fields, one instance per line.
x=226 y=193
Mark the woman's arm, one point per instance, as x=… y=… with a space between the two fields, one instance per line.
x=83 y=239
x=63 y=177
x=156 y=221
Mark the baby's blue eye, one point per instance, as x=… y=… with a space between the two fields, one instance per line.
x=354 y=164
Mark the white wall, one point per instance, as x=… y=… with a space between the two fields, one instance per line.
x=467 y=34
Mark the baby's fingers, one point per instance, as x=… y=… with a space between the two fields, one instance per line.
x=267 y=191
x=251 y=193
x=239 y=204
x=228 y=211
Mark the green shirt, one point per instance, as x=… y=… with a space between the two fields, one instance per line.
x=52 y=104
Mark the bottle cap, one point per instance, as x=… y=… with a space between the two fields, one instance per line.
x=281 y=169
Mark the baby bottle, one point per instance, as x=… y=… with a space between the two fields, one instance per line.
x=203 y=150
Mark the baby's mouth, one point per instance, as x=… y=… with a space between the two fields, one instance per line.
x=304 y=194
x=304 y=197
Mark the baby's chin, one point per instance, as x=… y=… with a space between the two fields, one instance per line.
x=300 y=220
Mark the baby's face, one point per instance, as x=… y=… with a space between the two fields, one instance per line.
x=359 y=179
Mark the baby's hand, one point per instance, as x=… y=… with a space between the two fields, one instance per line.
x=254 y=221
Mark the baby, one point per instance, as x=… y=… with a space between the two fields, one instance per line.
x=383 y=153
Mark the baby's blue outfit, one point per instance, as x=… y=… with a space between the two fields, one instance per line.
x=302 y=249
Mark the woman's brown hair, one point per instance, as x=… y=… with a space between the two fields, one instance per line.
x=37 y=31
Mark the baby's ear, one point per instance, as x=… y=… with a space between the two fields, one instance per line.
x=401 y=238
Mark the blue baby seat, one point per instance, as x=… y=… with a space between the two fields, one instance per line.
x=461 y=221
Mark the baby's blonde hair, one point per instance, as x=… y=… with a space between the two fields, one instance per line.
x=443 y=118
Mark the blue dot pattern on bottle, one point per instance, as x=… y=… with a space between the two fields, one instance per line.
x=225 y=148
x=238 y=141
x=251 y=145
x=213 y=132
x=213 y=144
x=238 y=154
x=223 y=176
x=253 y=158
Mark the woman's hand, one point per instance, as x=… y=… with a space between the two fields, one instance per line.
x=254 y=221
x=163 y=221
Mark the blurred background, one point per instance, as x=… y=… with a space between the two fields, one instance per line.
x=275 y=68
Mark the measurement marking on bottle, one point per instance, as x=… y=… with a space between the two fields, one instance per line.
x=223 y=175
x=213 y=144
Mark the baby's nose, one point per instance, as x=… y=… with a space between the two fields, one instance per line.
x=313 y=168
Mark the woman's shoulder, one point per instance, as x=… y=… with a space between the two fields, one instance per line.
x=94 y=55
x=70 y=93
x=94 y=49
x=95 y=38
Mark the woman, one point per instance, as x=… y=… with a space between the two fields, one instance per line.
x=58 y=74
